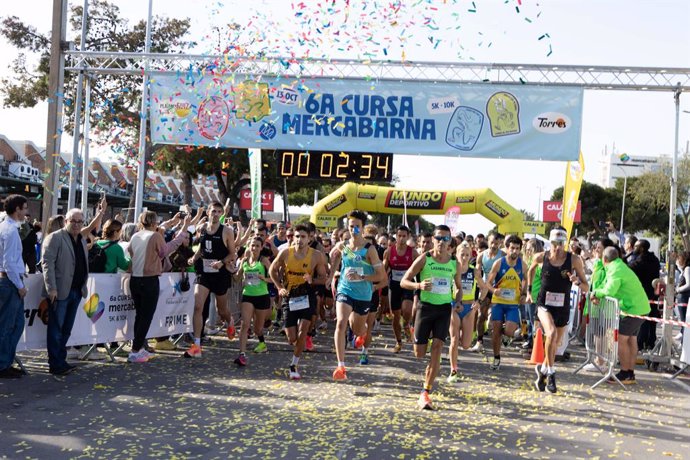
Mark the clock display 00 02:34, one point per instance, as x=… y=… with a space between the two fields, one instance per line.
x=335 y=165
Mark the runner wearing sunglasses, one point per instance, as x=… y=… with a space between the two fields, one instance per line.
x=560 y=270
x=438 y=269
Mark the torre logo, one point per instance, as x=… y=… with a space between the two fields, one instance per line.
x=551 y=123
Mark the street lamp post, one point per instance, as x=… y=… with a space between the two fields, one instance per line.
x=539 y=205
x=625 y=188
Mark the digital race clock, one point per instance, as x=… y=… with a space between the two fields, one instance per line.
x=335 y=165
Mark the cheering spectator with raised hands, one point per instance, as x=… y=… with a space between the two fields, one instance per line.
x=148 y=250
x=90 y=230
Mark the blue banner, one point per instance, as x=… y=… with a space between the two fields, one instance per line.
x=415 y=118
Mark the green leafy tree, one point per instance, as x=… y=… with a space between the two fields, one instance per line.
x=598 y=205
x=528 y=215
x=650 y=195
x=115 y=99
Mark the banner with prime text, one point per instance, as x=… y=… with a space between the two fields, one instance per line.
x=107 y=313
x=446 y=119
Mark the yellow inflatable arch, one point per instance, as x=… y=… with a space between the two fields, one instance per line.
x=389 y=200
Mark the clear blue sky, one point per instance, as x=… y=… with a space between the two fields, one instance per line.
x=589 y=32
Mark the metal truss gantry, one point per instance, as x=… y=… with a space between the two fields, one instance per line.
x=588 y=77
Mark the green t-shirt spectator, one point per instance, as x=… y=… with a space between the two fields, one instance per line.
x=623 y=284
x=115 y=256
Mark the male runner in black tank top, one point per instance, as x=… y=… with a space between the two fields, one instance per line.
x=217 y=253
x=559 y=271
x=319 y=289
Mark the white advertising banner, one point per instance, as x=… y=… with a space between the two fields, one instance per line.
x=107 y=313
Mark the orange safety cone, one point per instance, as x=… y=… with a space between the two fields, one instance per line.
x=537 y=349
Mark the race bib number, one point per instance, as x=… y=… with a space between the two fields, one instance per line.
x=358 y=270
x=440 y=286
x=298 y=303
x=252 y=279
x=397 y=275
x=467 y=286
x=505 y=293
x=554 y=299
x=208 y=266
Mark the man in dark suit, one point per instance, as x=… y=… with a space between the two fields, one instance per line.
x=646 y=266
x=65 y=270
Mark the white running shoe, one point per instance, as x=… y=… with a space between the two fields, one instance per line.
x=478 y=347
x=590 y=368
x=138 y=357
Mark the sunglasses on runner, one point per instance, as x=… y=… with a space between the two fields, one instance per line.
x=445 y=239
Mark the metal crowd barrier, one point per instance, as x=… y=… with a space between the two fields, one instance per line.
x=601 y=338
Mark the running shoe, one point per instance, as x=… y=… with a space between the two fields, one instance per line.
x=241 y=360
x=323 y=325
x=364 y=359
x=359 y=341
x=137 y=357
x=496 y=364
x=629 y=379
x=260 y=347
x=454 y=377
x=193 y=352
x=350 y=337
x=551 y=383
x=147 y=354
x=591 y=367
x=540 y=382
x=339 y=373
x=478 y=347
x=165 y=345
x=424 y=401
x=294 y=374
x=625 y=377
x=377 y=326
x=397 y=348
x=231 y=332
x=310 y=344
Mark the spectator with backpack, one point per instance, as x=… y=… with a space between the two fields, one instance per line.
x=106 y=255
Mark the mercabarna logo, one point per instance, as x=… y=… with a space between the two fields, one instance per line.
x=94 y=308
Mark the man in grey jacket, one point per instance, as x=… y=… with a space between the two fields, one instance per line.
x=65 y=271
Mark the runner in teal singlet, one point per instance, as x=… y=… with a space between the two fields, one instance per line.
x=361 y=268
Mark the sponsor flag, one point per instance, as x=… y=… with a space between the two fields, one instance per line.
x=573 y=181
x=255 y=178
x=451 y=218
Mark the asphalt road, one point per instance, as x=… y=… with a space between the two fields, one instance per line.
x=181 y=408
